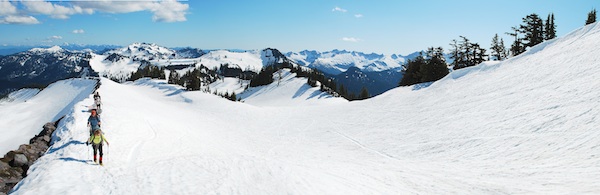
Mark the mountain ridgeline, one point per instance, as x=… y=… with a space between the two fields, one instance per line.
x=342 y=73
x=37 y=68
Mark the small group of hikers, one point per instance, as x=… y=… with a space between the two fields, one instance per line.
x=96 y=136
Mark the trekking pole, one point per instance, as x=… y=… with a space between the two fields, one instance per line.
x=107 y=151
x=89 y=152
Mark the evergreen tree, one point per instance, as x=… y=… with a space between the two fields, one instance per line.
x=454 y=52
x=364 y=94
x=436 y=67
x=517 y=47
x=506 y=52
x=550 y=29
x=233 y=97
x=466 y=54
x=173 y=77
x=498 y=50
x=421 y=69
x=411 y=69
x=591 y=17
x=533 y=30
x=343 y=92
x=194 y=81
x=479 y=55
x=265 y=77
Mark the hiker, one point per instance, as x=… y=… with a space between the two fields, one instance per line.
x=94 y=122
x=97 y=140
x=96 y=95
x=97 y=101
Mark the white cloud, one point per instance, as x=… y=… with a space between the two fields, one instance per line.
x=53 y=10
x=358 y=15
x=170 y=11
x=163 y=10
x=78 y=31
x=351 y=39
x=117 y=7
x=52 y=39
x=19 y=20
x=7 y=8
x=338 y=9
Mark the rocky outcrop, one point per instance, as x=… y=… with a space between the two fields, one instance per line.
x=14 y=165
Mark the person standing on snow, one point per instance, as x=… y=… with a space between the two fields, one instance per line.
x=94 y=122
x=97 y=101
x=97 y=140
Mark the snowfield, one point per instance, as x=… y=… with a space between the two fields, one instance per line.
x=25 y=111
x=528 y=125
x=287 y=90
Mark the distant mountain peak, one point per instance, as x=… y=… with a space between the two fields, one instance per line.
x=337 y=61
x=53 y=49
x=144 y=51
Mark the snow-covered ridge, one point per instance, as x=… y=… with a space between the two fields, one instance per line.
x=287 y=90
x=145 y=51
x=21 y=120
x=338 y=61
x=19 y=96
x=252 y=60
x=53 y=49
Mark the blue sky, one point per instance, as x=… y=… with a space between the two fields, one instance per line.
x=395 y=26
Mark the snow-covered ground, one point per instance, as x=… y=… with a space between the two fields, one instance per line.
x=287 y=90
x=228 y=85
x=248 y=60
x=19 y=96
x=121 y=69
x=528 y=125
x=24 y=117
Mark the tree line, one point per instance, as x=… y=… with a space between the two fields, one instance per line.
x=430 y=66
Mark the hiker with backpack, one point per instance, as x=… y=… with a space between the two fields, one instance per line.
x=97 y=101
x=94 y=121
x=97 y=139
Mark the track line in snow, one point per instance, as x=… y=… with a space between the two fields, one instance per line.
x=356 y=142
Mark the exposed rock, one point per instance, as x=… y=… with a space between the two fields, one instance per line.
x=4 y=165
x=14 y=165
x=49 y=128
x=23 y=148
x=9 y=156
x=20 y=160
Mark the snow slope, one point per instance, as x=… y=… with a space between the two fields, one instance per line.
x=252 y=60
x=228 y=85
x=515 y=127
x=19 y=96
x=120 y=69
x=145 y=51
x=21 y=120
x=287 y=90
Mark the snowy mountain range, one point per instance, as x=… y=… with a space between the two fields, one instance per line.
x=338 y=61
x=119 y=63
x=144 y=51
x=41 y=66
x=9 y=50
